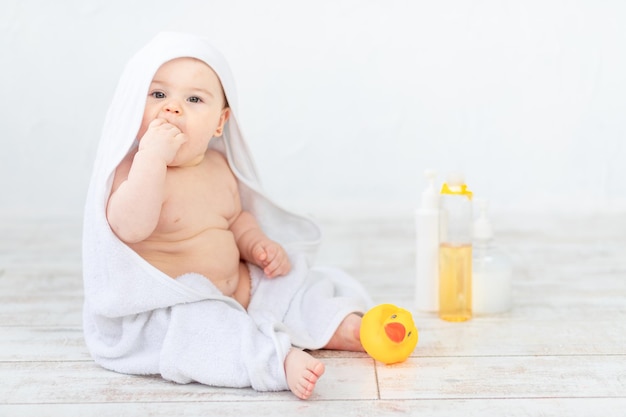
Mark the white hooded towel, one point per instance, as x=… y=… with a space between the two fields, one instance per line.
x=138 y=320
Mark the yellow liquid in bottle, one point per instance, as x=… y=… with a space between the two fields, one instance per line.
x=455 y=282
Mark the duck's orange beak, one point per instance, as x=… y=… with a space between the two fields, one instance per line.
x=395 y=331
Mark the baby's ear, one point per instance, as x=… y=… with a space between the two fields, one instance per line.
x=223 y=118
x=226 y=113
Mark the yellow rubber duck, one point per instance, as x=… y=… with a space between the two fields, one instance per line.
x=388 y=333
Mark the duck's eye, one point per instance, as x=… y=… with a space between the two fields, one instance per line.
x=394 y=316
x=409 y=334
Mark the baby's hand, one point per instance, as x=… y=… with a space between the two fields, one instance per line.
x=163 y=138
x=272 y=258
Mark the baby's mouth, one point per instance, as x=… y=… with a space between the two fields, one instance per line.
x=167 y=120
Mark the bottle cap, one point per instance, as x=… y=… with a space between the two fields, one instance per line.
x=482 y=229
x=430 y=197
x=455 y=185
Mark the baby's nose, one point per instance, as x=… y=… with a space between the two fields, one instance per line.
x=172 y=107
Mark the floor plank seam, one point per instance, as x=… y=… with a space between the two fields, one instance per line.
x=377 y=382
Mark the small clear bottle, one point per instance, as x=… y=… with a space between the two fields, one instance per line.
x=455 y=250
x=492 y=270
x=427 y=248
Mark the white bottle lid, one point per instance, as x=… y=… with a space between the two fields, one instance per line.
x=455 y=179
x=430 y=195
x=482 y=230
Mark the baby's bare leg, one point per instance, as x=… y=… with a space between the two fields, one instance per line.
x=302 y=371
x=242 y=292
x=348 y=335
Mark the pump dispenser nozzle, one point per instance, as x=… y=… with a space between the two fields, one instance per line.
x=482 y=229
x=430 y=196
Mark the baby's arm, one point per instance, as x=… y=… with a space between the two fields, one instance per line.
x=138 y=190
x=257 y=248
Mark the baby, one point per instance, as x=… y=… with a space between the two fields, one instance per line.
x=176 y=202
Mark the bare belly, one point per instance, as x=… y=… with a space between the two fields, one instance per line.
x=212 y=253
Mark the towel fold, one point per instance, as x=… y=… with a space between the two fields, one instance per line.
x=138 y=320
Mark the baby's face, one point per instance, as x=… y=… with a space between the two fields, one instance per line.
x=187 y=93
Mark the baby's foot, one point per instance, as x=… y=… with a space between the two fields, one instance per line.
x=302 y=371
x=348 y=335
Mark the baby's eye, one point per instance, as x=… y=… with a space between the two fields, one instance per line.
x=158 y=94
x=194 y=99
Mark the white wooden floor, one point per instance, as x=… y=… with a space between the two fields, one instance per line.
x=560 y=352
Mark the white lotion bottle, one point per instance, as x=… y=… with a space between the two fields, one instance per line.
x=492 y=270
x=427 y=248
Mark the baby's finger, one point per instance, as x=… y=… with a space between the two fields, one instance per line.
x=270 y=267
x=272 y=252
x=279 y=266
x=270 y=272
x=156 y=122
x=180 y=138
x=259 y=254
x=278 y=270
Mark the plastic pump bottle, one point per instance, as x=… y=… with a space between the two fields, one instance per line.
x=427 y=248
x=455 y=251
x=492 y=271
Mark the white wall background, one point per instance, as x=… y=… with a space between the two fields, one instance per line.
x=344 y=102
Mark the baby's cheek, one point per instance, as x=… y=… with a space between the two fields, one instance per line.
x=142 y=130
x=145 y=123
